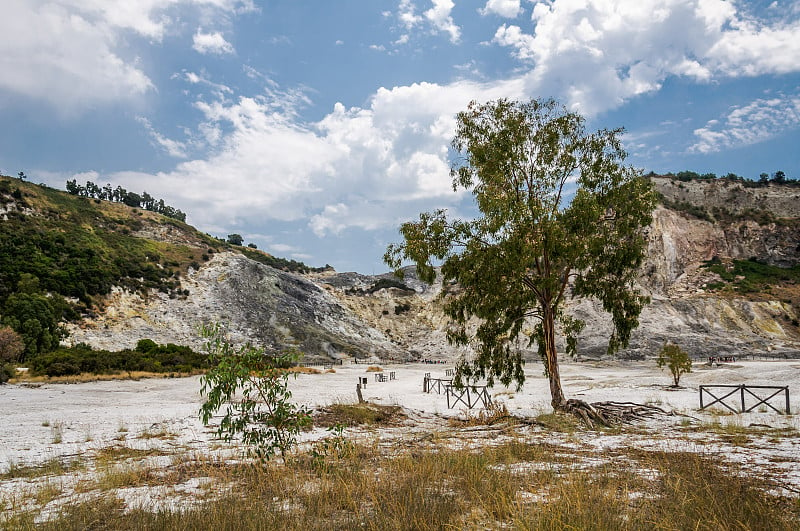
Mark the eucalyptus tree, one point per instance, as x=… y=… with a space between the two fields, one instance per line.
x=560 y=216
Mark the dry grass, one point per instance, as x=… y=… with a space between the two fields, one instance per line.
x=51 y=467
x=304 y=370
x=496 y=412
x=515 y=485
x=374 y=368
x=359 y=414
x=90 y=377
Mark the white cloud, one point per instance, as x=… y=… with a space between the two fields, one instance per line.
x=597 y=54
x=752 y=49
x=358 y=167
x=503 y=8
x=282 y=248
x=174 y=148
x=77 y=54
x=438 y=18
x=213 y=43
x=68 y=62
x=759 y=121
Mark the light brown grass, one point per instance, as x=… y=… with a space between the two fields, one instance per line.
x=304 y=370
x=516 y=485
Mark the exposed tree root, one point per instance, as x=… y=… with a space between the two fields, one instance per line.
x=611 y=414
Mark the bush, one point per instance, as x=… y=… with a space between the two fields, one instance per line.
x=148 y=357
x=252 y=387
x=6 y=373
x=11 y=345
x=146 y=345
x=676 y=360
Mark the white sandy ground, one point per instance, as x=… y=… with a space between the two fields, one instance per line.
x=69 y=421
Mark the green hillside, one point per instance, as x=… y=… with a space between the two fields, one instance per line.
x=60 y=253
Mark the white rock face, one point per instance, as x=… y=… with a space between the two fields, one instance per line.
x=257 y=303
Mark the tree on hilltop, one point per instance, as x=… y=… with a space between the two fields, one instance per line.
x=560 y=216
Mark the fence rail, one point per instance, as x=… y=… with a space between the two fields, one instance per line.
x=742 y=392
x=438 y=385
x=470 y=396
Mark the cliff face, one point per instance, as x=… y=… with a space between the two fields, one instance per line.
x=257 y=303
x=713 y=220
x=329 y=315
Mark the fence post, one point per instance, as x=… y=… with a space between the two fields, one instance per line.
x=741 y=391
x=786 y=390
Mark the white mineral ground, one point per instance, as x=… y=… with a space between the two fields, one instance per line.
x=89 y=416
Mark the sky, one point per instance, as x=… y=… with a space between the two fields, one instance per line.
x=315 y=128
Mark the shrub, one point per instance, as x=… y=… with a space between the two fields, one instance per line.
x=6 y=373
x=676 y=360
x=11 y=345
x=252 y=387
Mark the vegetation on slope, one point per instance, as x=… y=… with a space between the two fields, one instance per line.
x=148 y=356
x=749 y=276
x=60 y=253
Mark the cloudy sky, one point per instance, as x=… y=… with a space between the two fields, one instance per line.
x=313 y=128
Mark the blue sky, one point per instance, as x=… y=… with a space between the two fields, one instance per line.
x=314 y=128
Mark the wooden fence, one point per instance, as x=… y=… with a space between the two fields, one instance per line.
x=469 y=396
x=738 y=393
x=438 y=385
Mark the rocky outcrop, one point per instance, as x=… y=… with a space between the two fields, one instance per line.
x=679 y=243
x=330 y=315
x=258 y=304
x=735 y=197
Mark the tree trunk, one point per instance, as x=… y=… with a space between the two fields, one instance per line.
x=551 y=359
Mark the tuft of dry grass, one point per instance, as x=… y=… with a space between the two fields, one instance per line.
x=90 y=377
x=304 y=370
x=496 y=412
x=357 y=414
x=157 y=432
x=374 y=368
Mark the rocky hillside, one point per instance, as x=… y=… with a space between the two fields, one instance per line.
x=722 y=221
x=329 y=315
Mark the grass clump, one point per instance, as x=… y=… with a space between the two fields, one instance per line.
x=359 y=414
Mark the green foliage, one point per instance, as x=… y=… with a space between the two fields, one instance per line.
x=560 y=216
x=11 y=347
x=252 y=389
x=327 y=453
x=748 y=276
x=235 y=239
x=687 y=207
x=120 y=195
x=36 y=318
x=676 y=360
x=6 y=372
x=83 y=359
